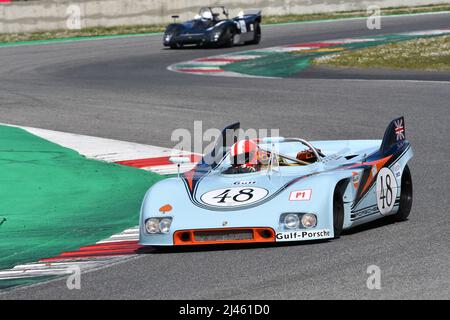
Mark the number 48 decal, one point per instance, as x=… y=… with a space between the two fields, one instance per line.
x=234 y=196
x=244 y=195
x=386 y=190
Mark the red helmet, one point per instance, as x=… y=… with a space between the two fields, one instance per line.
x=244 y=152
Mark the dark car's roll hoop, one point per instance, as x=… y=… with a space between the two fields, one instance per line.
x=211 y=12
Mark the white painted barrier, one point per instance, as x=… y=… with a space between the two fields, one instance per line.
x=29 y=16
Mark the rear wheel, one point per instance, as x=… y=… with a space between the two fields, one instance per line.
x=338 y=211
x=406 y=196
x=257 y=35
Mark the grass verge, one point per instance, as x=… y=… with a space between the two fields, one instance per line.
x=143 y=29
x=428 y=54
x=354 y=14
x=52 y=199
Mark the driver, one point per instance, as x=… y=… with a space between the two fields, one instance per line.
x=207 y=15
x=206 y=18
x=245 y=156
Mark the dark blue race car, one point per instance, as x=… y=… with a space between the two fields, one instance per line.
x=213 y=27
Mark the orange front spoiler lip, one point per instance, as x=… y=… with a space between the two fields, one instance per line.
x=186 y=237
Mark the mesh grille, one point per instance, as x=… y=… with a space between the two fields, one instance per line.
x=223 y=235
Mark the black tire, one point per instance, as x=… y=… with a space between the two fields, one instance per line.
x=158 y=249
x=406 y=196
x=338 y=211
x=176 y=45
x=257 y=36
x=227 y=39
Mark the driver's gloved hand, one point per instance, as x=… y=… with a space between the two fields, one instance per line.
x=247 y=169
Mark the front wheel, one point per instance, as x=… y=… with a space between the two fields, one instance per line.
x=227 y=39
x=406 y=196
x=176 y=45
x=338 y=212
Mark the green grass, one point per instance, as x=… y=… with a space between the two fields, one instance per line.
x=143 y=29
x=52 y=199
x=428 y=54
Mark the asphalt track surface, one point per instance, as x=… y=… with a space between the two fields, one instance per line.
x=121 y=89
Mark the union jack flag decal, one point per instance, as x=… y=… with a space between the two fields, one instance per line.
x=399 y=129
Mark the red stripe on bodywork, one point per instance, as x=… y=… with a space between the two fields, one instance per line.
x=189 y=176
x=379 y=164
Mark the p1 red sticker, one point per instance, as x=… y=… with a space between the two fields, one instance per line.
x=300 y=195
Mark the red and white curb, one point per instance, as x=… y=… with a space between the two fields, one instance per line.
x=118 y=246
x=114 y=249
x=147 y=157
x=213 y=66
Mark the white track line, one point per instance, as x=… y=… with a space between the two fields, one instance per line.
x=101 y=148
x=33 y=270
x=110 y=150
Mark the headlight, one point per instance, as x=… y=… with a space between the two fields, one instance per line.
x=217 y=35
x=291 y=221
x=309 y=220
x=152 y=225
x=158 y=225
x=167 y=37
x=164 y=225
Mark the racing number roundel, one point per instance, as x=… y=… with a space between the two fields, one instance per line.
x=232 y=197
x=386 y=190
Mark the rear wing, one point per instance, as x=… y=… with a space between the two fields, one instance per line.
x=394 y=134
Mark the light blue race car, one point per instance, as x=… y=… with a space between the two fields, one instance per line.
x=297 y=190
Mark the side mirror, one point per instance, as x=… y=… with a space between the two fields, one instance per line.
x=179 y=160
